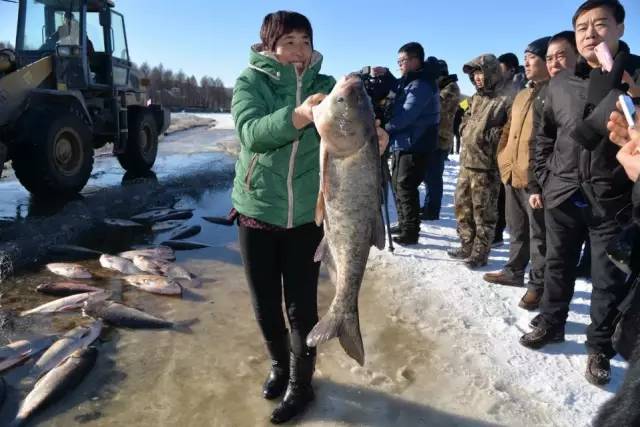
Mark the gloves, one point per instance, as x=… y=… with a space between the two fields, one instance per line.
x=604 y=89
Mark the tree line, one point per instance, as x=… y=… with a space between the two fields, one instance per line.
x=179 y=91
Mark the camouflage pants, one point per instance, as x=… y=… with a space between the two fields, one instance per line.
x=476 y=205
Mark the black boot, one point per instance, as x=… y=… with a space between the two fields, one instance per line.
x=299 y=391
x=276 y=382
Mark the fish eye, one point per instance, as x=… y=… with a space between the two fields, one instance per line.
x=340 y=99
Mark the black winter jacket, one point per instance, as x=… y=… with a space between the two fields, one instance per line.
x=563 y=164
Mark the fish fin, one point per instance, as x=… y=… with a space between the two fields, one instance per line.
x=378 y=237
x=323 y=191
x=347 y=329
x=321 y=250
x=319 y=209
x=184 y=326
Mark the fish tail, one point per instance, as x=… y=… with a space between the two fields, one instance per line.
x=346 y=328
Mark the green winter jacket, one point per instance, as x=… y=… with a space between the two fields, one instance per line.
x=277 y=172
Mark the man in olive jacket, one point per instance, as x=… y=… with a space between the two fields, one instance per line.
x=478 y=185
x=526 y=225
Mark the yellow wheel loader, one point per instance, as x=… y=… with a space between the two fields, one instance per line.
x=69 y=87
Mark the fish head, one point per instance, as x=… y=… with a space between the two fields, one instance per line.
x=345 y=118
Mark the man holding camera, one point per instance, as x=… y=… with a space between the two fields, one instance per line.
x=583 y=185
x=413 y=133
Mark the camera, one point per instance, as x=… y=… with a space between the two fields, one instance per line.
x=378 y=88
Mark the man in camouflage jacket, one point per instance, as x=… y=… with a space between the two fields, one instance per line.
x=479 y=182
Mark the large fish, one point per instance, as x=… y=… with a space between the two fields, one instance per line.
x=154 y=284
x=67 y=303
x=162 y=267
x=57 y=383
x=184 y=245
x=118 y=314
x=18 y=351
x=68 y=270
x=118 y=263
x=349 y=204
x=76 y=339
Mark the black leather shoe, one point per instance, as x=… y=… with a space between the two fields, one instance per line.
x=299 y=392
x=540 y=337
x=278 y=377
x=395 y=229
x=276 y=382
x=535 y=322
x=406 y=239
x=598 y=369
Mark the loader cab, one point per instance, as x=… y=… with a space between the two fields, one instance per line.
x=86 y=39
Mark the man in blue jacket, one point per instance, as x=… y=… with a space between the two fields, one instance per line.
x=413 y=133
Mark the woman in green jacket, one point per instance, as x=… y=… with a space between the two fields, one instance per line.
x=274 y=194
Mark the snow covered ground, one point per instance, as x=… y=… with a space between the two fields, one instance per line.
x=482 y=322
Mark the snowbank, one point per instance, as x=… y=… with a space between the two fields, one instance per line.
x=185 y=121
x=483 y=323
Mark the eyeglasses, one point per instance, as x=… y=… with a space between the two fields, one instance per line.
x=403 y=61
x=557 y=57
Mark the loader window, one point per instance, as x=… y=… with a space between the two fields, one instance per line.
x=95 y=32
x=35 y=33
x=119 y=39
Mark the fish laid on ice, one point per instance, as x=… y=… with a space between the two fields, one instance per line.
x=78 y=338
x=166 y=225
x=151 y=215
x=57 y=383
x=72 y=250
x=157 y=266
x=349 y=206
x=184 y=232
x=118 y=263
x=163 y=252
x=18 y=351
x=67 y=303
x=182 y=245
x=154 y=284
x=68 y=270
x=118 y=314
x=63 y=289
x=124 y=223
x=177 y=214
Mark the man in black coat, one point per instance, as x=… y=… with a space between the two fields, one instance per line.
x=584 y=186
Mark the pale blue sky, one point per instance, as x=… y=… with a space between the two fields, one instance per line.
x=213 y=37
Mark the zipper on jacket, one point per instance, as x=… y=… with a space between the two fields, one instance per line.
x=292 y=159
x=252 y=165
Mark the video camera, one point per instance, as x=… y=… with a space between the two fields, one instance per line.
x=378 y=89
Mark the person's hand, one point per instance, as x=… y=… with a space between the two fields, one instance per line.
x=383 y=137
x=378 y=71
x=629 y=158
x=634 y=89
x=535 y=201
x=619 y=131
x=303 y=115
